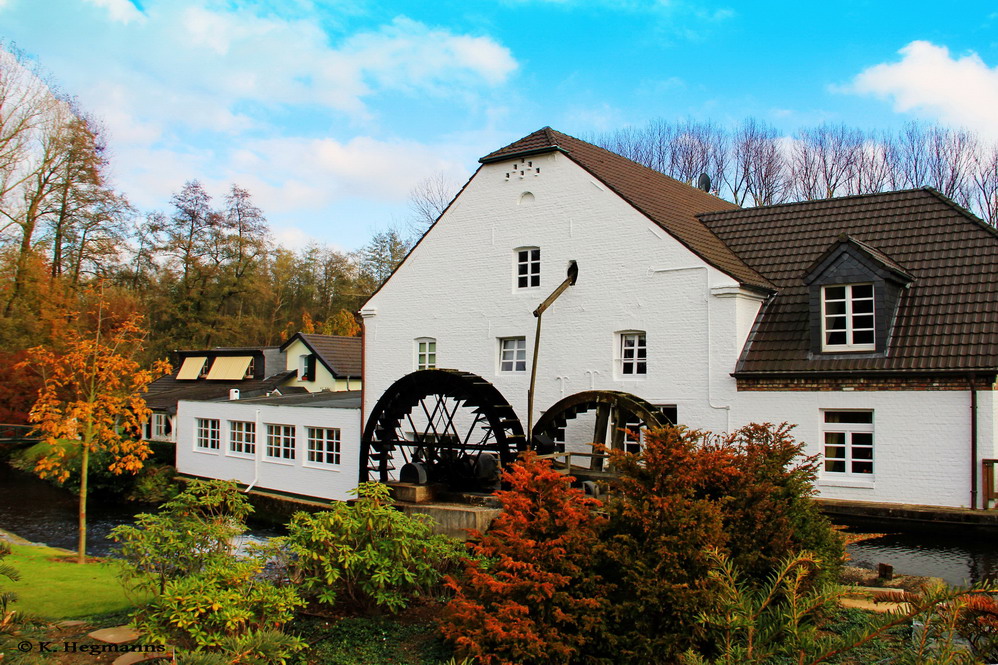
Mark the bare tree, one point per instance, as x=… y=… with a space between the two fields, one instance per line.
x=985 y=178
x=760 y=172
x=951 y=157
x=428 y=199
x=876 y=165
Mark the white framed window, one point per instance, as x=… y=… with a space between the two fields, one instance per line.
x=512 y=354
x=280 y=441
x=426 y=353
x=847 y=318
x=159 y=427
x=528 y=267
x=633 y=354
x=848 y=439
x=324 y=445
x=242 y=437
x=207 y=434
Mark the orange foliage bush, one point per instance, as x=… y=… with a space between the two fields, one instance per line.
x=531 y=596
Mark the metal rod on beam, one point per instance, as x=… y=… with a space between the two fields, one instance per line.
x=573 y=276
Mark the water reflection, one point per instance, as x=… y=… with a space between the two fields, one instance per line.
x=43 y=513
x=959 y=555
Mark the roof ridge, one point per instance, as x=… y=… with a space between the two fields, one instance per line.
x=827 y=199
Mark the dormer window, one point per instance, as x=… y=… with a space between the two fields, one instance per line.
x=855 y=293
x=848 y=318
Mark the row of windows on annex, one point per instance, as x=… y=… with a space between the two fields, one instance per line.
x=631 y=354
x=280 y=443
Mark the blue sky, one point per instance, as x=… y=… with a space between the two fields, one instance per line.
x=330 y=112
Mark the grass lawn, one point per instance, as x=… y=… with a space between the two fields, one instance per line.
x=54 y=586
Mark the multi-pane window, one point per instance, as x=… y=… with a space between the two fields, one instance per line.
x=848 y=437
x=160 y=427
x=207 y=435
x=242 y=437
x=848 y=317
x=513 y=354
x=426 y=353
x=324 y=445
x=528 y=267
x=633 y=354
x=281 y=441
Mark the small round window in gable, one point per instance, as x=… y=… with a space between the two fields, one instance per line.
x=526 y=198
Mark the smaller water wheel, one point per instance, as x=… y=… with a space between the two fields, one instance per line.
x=441 y=426
x=606 y=417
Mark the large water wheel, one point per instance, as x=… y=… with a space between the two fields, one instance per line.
x=606 y=417
x=441 y=426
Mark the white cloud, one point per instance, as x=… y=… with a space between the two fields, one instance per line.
x=928 y=81
x=122 y=11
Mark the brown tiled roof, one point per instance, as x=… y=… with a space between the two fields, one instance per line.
x=947 y=320
x=671 y=204
x=341 y=355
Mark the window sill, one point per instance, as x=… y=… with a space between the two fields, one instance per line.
x=248 y=456
x=279 y=460
x=855 y=483
x=319 y=466
x=207 y=451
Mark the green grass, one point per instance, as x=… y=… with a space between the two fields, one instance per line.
x=54 y=586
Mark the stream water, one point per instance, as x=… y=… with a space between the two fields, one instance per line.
x=39 y=512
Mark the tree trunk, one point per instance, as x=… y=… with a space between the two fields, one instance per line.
x=81 y=555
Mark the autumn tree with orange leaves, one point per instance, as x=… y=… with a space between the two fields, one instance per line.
x=92 y=399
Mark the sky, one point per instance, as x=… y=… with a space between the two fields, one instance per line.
x=330 y=112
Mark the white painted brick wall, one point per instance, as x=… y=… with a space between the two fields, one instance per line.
x=457 y=286
x=297 y=477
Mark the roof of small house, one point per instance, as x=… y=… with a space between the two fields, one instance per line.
x=947 y=319
x=165 y=392
x=340 y=355
x=344 y=399
x=671 y=204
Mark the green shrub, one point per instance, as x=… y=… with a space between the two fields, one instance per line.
x=665 y=510
x=368 y=554
x=191 y=532
x=536 y=598
x=687 y=494
x=771 y=511
x=155 y=483
x=225 y=608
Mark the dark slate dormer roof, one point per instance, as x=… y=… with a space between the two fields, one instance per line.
x=872 y=254
x=340 y=355
x=947 y=320
x=671 y=204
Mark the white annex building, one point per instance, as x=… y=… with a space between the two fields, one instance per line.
x=869 y=321
x=303 y=444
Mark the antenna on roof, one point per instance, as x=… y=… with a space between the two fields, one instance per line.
x=703 y=182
